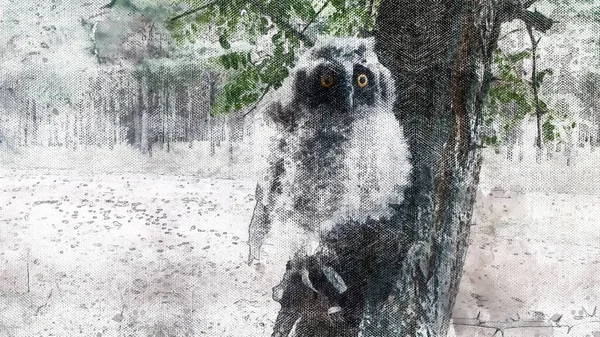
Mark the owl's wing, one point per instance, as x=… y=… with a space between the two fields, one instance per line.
x=260 y=224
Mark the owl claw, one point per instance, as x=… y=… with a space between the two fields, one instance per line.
x=335 y=279
x=306 y=279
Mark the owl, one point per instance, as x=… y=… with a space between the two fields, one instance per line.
x=331 y=159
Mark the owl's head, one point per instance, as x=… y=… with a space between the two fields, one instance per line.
x=341 y=76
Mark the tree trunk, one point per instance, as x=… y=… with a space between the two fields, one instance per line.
x=535 y=86
x=161 y=112
x=26 y=125
x=77 y=112
x=210 y=121
x=143 y=106
x=68 y=129
x=440 y=53
x=189 y=133
x=166 y=124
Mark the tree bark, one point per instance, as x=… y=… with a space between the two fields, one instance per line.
x=143 y=106
x=440 y=52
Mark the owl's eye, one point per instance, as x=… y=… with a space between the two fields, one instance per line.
x=362 y=80
x=327 y=80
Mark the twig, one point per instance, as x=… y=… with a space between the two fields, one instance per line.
x=315 y=17
x=259 y=100
x=518 y=323
x=194 y=10
x=45 y=304
x=58 y=287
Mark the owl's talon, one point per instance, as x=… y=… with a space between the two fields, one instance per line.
x=335 y=316
x=306 y=279
x=334 y=310
x=335 y=279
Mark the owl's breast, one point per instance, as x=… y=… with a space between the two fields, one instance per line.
x=324 y=181
x=316 y=181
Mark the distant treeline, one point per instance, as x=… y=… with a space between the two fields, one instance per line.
x=146 y=106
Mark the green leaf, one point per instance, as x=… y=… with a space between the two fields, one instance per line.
x=264 y=25
x=490 y=140
x=243 y=60
x=548 y=131
x=280 y=9
x=242 y=89
x=233 y=59
x=223 y=42
x=225 y=61
x=543 y=106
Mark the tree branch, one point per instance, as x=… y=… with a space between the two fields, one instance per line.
x=315 y=17
x=259 y=100
x=536 y=20
x=511 y=10
x=195 y=10
x=263 y=10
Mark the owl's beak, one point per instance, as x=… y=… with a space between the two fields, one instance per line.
x=349 y=102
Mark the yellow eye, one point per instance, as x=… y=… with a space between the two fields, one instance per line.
x=362 y=80
x=327 y=80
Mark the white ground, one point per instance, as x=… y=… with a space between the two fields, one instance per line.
x=131 y=254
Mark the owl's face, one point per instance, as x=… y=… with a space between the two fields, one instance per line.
x=341 y=79
x=336 y=84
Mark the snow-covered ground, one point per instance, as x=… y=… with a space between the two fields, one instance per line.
x=147 y=254
x=128 y=255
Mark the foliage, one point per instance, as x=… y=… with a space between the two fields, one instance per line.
x=510 y=84
x=276 y=30
x=511 y=88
